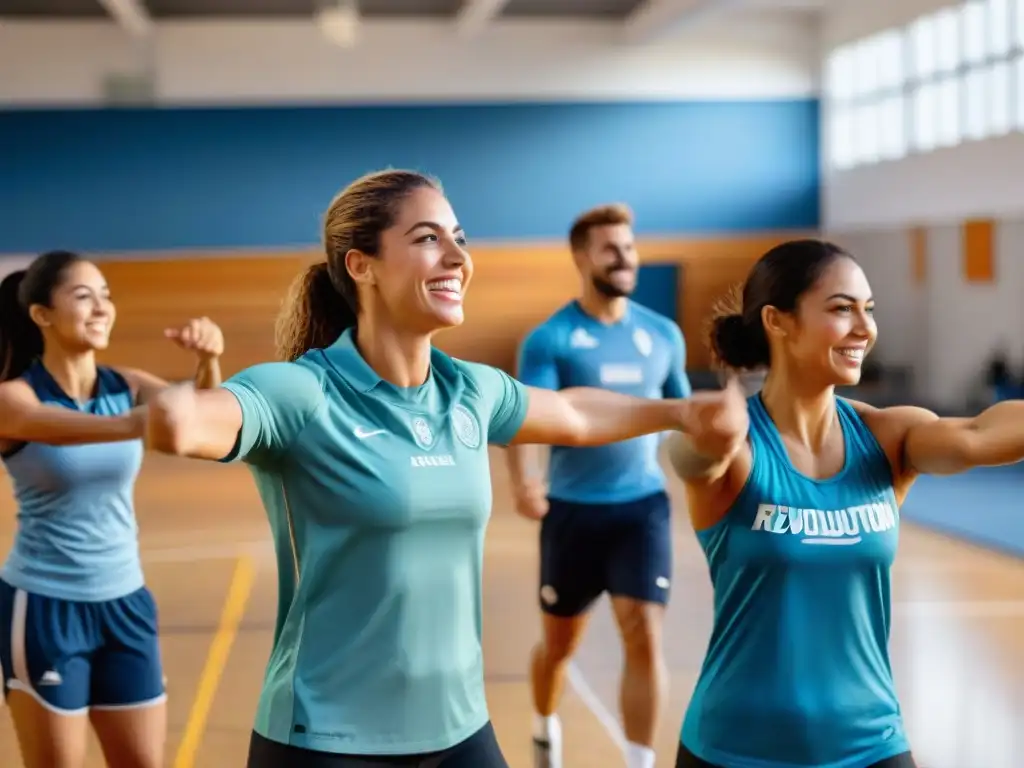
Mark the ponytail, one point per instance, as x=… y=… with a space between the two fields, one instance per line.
x=314 y=315
x=20 y=339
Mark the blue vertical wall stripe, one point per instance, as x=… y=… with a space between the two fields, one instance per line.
x=191 y=178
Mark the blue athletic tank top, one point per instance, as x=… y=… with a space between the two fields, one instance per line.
x=76 y=537
x=797 y=670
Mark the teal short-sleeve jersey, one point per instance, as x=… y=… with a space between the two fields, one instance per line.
x=378 y=499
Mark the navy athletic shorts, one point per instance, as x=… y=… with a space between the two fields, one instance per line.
x=623 y=549
x=72 y=656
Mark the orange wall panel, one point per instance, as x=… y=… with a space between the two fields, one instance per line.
x=978 y=251
x=918 y=255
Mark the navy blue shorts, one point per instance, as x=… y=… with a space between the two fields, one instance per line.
x=72 y=656
x=622 y=549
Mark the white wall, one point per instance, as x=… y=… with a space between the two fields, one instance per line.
x=774 y=55
x=946 y=329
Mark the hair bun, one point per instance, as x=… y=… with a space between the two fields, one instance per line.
x=733 y=344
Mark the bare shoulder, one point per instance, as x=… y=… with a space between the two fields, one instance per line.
x=142 y=383
x=16 y=393
x=138 y=378
x=890 y=427
x=895 y=417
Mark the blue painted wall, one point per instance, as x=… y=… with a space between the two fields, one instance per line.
x=191 y=178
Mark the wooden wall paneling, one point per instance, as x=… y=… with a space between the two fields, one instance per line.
x=514 y=288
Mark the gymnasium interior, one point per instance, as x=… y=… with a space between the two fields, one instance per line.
x=190 y=148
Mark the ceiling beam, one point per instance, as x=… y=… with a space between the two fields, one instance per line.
x=131 y=15
x=474 y=15
x=656 y=19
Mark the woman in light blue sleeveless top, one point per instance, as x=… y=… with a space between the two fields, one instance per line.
x=78 y=627
x=370 y=450
x=795 y=495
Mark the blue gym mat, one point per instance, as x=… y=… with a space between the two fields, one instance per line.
x=984 y=506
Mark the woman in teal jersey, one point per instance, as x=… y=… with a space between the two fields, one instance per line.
x=369 y=448
x=799 y=523
x=78 y=627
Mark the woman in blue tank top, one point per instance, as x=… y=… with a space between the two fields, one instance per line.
x=78 y=628
x=795 y=495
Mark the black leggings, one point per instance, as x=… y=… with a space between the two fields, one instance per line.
x=686 y=759
x=480 y=750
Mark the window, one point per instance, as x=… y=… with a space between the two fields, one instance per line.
x=975 y=32
x=925 y=115
x=841 y=75
x=891 y=129
x=947 y=94
x=841 y=139
x=890 y=61
x=1000 y=99
x=976 y=105
x=867 y=133
x=999 y=42
x=867 y=68
x=1018 y=37
x=864 y=86
x=953 y=75
x=922 y=37
x=1019 y=72
x=947 y=41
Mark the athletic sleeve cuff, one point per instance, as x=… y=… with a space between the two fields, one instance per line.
x=250 y=426
x=511 y=414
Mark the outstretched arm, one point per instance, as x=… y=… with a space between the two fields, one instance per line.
x=584 y=416
x=715 y=432
x=23 y=419
x=199 y=424
x=201 y=336
x=256 y=415
x=946 y=446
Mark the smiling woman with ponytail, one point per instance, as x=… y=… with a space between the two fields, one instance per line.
x=72 y=590
x=369 y=446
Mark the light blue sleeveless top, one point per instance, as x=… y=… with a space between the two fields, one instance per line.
x=76 y=537
x=797 y=670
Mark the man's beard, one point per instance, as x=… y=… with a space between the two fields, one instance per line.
x=609 y=289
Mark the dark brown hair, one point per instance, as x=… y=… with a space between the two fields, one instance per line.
x=21 y=341
x=322 y=301
x=601 y=216
x=779 y=278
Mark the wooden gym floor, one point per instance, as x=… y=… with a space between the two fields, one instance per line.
x=957 y=642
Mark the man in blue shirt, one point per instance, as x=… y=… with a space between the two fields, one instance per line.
x=606 y=518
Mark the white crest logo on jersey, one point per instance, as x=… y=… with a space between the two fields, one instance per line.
x=467 y=428
x=833 y=526
x=580 y=339
x=422 y=433
x=643 y=341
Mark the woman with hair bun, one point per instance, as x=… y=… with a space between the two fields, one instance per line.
x=798 y=516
